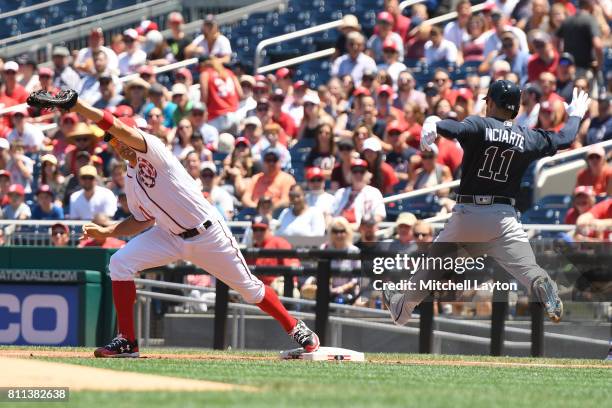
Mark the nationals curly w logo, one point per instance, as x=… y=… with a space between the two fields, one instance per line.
x=146 y=173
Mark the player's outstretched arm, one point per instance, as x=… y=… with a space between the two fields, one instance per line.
x=576 y=111
x=68 y=100
x=125 y=228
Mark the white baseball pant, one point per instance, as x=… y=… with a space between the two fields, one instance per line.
x=215 y=250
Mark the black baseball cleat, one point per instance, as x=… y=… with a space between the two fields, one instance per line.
x=119 y=347
x=305 y=337
x=546 y=292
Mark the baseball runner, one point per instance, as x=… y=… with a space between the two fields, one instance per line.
x=496 y=154
x=178 y=223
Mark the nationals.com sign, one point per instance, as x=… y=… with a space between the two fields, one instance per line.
x=39 y=314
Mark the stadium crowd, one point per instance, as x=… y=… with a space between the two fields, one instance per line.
x=296 y=159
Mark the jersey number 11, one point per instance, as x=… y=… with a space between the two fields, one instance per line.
x=492 y=162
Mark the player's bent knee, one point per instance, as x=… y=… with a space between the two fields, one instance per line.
x=118 y=268
x=252 y=294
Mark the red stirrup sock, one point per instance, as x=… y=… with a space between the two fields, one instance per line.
x=124 y=297
x=271 y=305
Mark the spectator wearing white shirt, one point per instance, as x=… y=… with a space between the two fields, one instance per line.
x=271 y=134
x=89 y=88
x=91 y=199
x=64 y=77
x=316 y=196
x=219 y=196
x=493 y=40
x=20 y=166
x=391 y=62
x=384 y=22
x=211 y=42
x=247 y=102
x=354 y=62
x=359 y=198
x=133 y=57
x=16 y=209
x=84 y=61
x=456 y=31
x=300 y=219
x=438 y=50
x=28 y=134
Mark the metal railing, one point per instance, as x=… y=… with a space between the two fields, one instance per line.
x=297 y=60
x=408 y=3
x=291 y=36
x=33 y=7
x=576 y=153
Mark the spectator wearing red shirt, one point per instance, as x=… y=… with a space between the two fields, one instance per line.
x=13 y=89
x=401 y=24
x=5 y=102
x=449 y=154
x=545 y=58
x=597 y=174
x=107 y=243
x=5 y=181
x=583 y=201
x=221 y=92
x=383 y=175
x=264 y=238
x=413 y=119
x=279 y=116
x=597 y=222
x=386 y=110
x=548 y=85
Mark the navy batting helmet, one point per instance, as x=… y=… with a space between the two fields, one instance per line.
x=505 y=94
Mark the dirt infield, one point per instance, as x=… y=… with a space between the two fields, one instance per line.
x=20 y=372
x=409 y=360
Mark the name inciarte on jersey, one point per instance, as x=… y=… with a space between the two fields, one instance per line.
x=505 y=136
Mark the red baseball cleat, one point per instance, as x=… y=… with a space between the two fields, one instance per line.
x=305 y=337
x=119 y=347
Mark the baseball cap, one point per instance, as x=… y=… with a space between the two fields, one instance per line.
x=260 y=78
x=16 y=189
x=394 y=126
x=44 y=71
x=251 y=120
x=96 y=32
x=11 y=66
x=596 y=150
x=146 y=69
x=586 y=190
x=260 y=221
x=129 y=121
x=88 y=170
x=312 y=97
x=44 y=188
x=431 y=89
x=4 y=143
x=369 y=73
x=385 y=16
x=361 y=91
x=389 y=44
x=279 y=95
x=139 y=122
x=299 y=84
x=49 y=158
x=372 y=143
x=283 y=72
x=260 y=85
x=198 y=106
x=465 y=93
x=5 y=173
x=131 y=33
x=540 y=37
x=248 y=79
x=346 y=142
x=271 y=151
x=406 y=218
x=313 y=172
x=179 y=89
x=156 y=89
x=242 y=140
x=60 y=52
x=124 y=110
x=60 y=225
x=146 y=26
x=208 y=165
x=184 y=72
x=566 y=59
x=359 y=163
x=175 y=17
x=385 y=89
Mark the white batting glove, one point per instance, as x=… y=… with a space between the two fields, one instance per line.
x=580 y=104
x=428 y=135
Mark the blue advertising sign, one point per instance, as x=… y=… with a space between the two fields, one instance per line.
x=39 y=315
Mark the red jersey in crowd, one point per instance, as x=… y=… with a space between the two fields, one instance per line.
x=272 y=242
x=449 y=154
x=222 y=93
x=19 y=94
x=599 y=183
x=536 y=66
x=5 y=121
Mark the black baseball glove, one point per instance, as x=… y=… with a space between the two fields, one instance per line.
x=64 y=100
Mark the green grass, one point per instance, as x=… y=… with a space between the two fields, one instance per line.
x=385 y=383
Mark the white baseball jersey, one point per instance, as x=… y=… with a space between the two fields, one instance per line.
x=160 y=188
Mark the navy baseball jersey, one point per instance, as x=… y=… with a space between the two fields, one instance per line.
x=497 y=153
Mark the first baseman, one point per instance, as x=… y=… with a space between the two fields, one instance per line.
x=178 y=223
x=496 y=154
